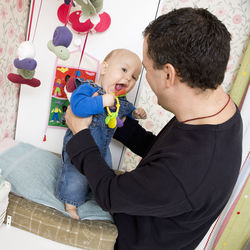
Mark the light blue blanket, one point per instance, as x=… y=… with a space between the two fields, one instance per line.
x=32 y=173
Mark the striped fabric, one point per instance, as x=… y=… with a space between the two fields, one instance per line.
x=51 y=224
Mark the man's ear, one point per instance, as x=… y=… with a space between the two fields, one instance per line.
x=170 y=74
x=103 y=68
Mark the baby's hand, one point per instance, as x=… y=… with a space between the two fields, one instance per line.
x=108 y=100
x=139 y=113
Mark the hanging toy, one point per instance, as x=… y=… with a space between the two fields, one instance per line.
x=70 y=84
x=112 y=120
x=62 y=37
x=67 y=2
x=88 y=18
x=90 y=7
x=25 y=64
x=91 y=15
x=61 y=40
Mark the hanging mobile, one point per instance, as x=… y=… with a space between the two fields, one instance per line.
x=62 y=38
x=25 y=63
x=90 y=17
x=70 y=82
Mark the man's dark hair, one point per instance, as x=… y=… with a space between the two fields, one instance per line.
x=194 y=41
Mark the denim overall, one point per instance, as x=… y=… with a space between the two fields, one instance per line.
x=72 y=186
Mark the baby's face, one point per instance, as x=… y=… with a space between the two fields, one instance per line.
x=122 y=72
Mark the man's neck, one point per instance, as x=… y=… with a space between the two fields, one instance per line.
x=192 y=103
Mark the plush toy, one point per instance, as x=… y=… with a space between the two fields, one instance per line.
x=82 y=23
x=62 y=36
x=25 y=64
x=67 y=2
x=70 y=84
x=90 y=7
x=77 y=25
x=26 y=50
x=26 y=74
x=61 y=40
x=20 y=80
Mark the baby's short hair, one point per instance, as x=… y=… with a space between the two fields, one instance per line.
x=115 y=52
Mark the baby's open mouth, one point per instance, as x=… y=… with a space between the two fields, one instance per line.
x=119 y=86
x=120 y=89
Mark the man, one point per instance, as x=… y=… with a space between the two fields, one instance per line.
x=189 y=169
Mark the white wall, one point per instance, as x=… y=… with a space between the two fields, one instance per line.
x=245 y=113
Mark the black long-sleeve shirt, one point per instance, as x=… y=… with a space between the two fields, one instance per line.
x=179 y=188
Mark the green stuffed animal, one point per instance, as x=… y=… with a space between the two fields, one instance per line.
x=61 y=52
x=26 y=74
x=90 y=7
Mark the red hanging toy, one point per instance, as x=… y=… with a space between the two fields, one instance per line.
x=84 y=20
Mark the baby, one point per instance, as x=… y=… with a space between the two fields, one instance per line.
x=118 y=74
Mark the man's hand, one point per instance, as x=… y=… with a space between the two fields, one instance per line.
x=139 y=113
x=108 y=100
x=75 y=123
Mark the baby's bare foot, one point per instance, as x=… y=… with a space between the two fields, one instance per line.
x=72 y=211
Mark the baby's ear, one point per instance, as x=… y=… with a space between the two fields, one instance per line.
x=104 y=66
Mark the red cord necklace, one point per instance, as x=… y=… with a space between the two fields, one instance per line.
x=197 y=118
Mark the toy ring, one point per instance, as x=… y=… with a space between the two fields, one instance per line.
x=111 y=119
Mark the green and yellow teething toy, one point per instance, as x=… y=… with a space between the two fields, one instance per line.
x=112 y=120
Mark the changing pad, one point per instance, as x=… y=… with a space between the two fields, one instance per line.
x=51 y=224
x=32 y=173
x=33 y=206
